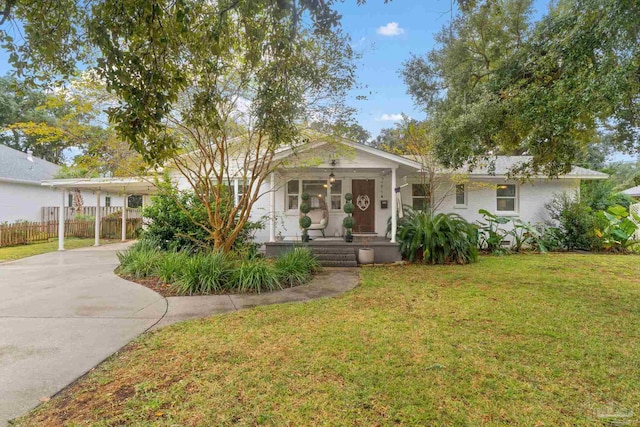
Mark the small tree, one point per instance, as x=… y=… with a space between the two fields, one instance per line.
x=305 y=221
x=348 y=222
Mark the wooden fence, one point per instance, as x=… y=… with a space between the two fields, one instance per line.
x=50 y=213
x=31 y=232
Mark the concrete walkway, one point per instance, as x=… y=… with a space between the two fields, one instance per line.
x=63 y=313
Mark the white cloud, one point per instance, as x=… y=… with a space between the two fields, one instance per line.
x=390 y=30
x=389 y=118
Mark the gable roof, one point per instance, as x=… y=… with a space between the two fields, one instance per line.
x=503 y=164
x=15 y=166
x=401 y=160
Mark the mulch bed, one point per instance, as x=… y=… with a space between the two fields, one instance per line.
x=155 y=284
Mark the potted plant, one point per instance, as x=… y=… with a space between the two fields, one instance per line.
x=305 y=221
x=348 y=222
x=366 y=254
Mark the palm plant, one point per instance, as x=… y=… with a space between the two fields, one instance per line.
x=438 y=239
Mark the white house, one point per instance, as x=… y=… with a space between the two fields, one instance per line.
x=22 y=196
x=380 y=182
x=372 y=176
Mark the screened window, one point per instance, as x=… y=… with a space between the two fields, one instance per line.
x=336 y=195
x=317 y=193
x=107 y=201
x=293 y=194
x=134 y=201
x=461 y=196
x=70 y=200
x=506 y=198
x=419 y=196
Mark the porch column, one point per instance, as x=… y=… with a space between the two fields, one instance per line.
x=394 y=205
x=61 y=223
x=236 y=196
x=272 y=209
x=97 y=225
x=124 y=219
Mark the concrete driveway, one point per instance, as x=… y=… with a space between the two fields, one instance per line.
x=61 y=314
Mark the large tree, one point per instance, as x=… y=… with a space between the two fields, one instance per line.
x=498 y=84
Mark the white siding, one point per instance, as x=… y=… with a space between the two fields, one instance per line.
x=23 y=202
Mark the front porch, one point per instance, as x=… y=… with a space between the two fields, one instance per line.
x=385 y=251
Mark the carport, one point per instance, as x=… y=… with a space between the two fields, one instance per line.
x=142 y=186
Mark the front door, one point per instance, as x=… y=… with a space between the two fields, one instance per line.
x=364 y=198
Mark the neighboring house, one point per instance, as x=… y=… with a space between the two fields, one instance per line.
x=633 y=192
x=21 y=195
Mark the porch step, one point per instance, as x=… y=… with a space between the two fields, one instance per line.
x=328 y=263
x=332 y=250
x=335 y=257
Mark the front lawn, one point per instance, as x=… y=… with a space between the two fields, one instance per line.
x=11 y=253
x=529 y=340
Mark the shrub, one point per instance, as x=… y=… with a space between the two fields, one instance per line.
x=527 y=235
x=168 y=222
x=619 y=229
x=348 y=222
x=255 y=276
x=491 y=234
x=296 y=266
x=575 y=221
x=305 y=222
x=204 y=273
x=438 y=239
x=140 y=260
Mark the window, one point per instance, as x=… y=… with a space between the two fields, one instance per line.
x=107 y=201
x=419 y=196
x=336 y=195
x=134 y=201
x=461 y=196
x=317 y=193
x=70 y=200
x=506 y=198
x=293 y=194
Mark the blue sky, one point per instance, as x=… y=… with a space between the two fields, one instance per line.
x=386 y=35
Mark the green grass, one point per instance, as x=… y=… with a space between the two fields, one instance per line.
x=548 y=340
x=22 y=251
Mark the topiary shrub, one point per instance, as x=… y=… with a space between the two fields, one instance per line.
x=438 y=239
x=305 y=222
x=348 y=208
x=348 y=197
x=348 y=222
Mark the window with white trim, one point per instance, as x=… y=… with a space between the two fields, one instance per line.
x=70 y=199
x=293 y=194
x=107 y=201
x=506 y=198
x=322 y=194
x=461 y=195
x=419 y=197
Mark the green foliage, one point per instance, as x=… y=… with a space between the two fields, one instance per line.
x=348 y=222
x=496 y=83
x=438 y=239
x=204 y=273
x=295 y=267
x=619 y=229
x=348 y=197
x=491 y=235
x=255 y=276
x=305 y=222
x=171 y=265
x=575 y=222
x=600 y=195
x=526 y=234
x=305 y=197
x=140 y=260
x=348 y=208
x=305 y=207
x=175 y=219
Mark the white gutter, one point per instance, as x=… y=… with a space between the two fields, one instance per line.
x=19 y=181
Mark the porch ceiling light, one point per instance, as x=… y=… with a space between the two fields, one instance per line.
x=332 y=177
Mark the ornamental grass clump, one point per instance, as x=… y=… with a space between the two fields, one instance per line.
x=141 y=260
x=203 y=274
x=296 y=267
x=171 y=265
x=255 y=276
x=438 y=239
